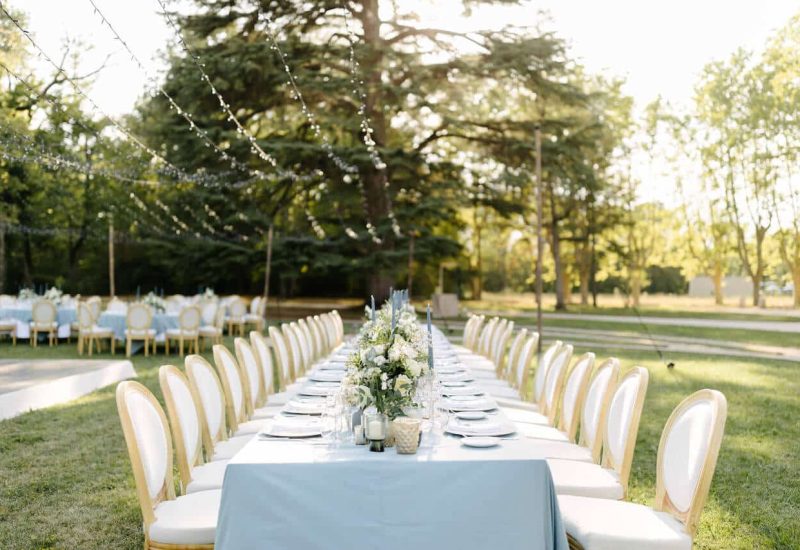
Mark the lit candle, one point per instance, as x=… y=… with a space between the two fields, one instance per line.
x=375 y=429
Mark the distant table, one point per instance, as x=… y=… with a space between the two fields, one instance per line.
x=23 y=315
x=116 y=321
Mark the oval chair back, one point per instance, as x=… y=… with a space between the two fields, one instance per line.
x=189 y=319
x=209 y=313
x=184 y=419
x=232 y=387
x=574 y=393
x=283 y=357
x=316 y=332
x=485 y=335
x=501 y=343
x=556 y=375
x=472 y=343
x=85 y=319
x=251 y=374
x=96 y=305
x=541 y=370
x=524 y=363
x=622 y=423
x=237 y=309
x=207 y=391
x=595 y=407
x=144 y=426
x=311 y=342
x=262 y=351
x=513 y=355
x=139 y=317
x=467 y=328
x=293 y=345
x=44 y=313
x=687 y=456
x=339 y=323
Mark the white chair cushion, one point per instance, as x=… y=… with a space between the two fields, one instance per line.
x=151 y=332
x=249 y=428
x=517 y=404
x=559 y=449
x=43 y=326
x=176 y=333
x=226 y=449
x=585 y=480
x=618 y=525
x=537 y=431
x=209 y=331
x=207 y=477
x=502 y=391
x=190 y=519
x=527 y=417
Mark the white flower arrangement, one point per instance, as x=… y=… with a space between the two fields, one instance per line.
x=155 y=301
x=209 y=294
x=26 y=295
x=385 y=369
x=54 y=295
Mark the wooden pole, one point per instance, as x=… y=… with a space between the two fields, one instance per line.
x=268 y=269
x=539 y=236
x=111 y=285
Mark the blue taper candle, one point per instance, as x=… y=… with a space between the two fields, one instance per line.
x=430 y=340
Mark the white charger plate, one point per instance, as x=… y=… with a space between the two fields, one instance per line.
x=483 y=442
x=471 y=415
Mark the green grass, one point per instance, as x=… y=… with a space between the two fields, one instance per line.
x=65 y=478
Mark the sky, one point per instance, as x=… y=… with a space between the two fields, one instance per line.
x=658 y=47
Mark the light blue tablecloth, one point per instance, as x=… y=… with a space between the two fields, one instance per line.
x=116 y=322
x=300 y=496
x=65 y=316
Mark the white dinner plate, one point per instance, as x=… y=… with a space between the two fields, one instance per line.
x=463 y=390
x=465 y=397
x=471 y=415
x=455 y=384
x=317 y=390
x=327 y=376
x=296 y=406
x=488 y=428
x=480 y=442
x=482 y=404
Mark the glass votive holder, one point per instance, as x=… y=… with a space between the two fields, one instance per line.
x=375 y=428
x=406 y=434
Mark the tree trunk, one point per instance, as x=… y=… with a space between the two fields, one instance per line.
x=477 y=283
x=410 y=264
x=585 y=276
x=3 y=258
x=716 y=278
x=796 y=281
x=555 y=248
x=377 y=201
x=27 y=264
x=636 y=288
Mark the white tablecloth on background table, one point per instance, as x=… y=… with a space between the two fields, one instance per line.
x=308 y=495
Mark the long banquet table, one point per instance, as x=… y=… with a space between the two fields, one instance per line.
x=306 y=494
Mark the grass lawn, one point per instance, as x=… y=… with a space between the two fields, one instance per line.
x=65 y=477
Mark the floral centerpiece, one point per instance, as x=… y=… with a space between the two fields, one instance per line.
x=391 y=358
x=155 y=301
x=54 y=295
x=209 y=294
x=26 y=295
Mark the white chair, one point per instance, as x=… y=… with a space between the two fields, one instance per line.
x=520 y=367
x=255 y=317
x=96 y=305
x=235 y=394
x=687 y=458
x=262 y=350
x=9 y=327
x=293 y=346
x=138 y=321
x=283 y=355
x=187 y=331
x=608 y=480
x=44 y=315
x=207 y=391
x=313 y=353
x=547 y=407
x=184 y=419
x=186 y=522
x=253 y=382
x=538 y=382
x=538 y=425
x=317 y=331
x=213 y=331
x=235 y=318
x=91 y=334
